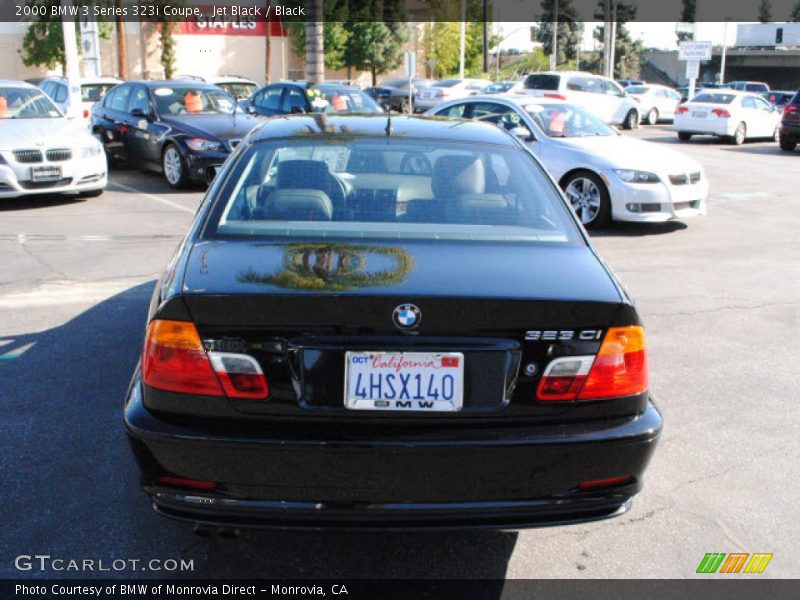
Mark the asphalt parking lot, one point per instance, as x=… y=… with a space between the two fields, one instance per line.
x=719 y=296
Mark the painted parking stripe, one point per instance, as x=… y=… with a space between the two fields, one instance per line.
x=133 y=190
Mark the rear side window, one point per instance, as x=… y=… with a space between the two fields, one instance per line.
x=61 y=93
x=120 y=99
x=542 y=82
x=714 y=98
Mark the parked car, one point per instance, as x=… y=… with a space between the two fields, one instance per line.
x=790 y=124
x=778 y=98
x=296 y=97
x=629 y=82
x=314 y=358
x=239 y=87
x=92 y=90
x=448 y=89
x=381 y=95
x=735 y=116
x=502 y=87
x=184 y=129
x=605 y=175
x=601 y=96
x=656 y=102
x=43 y=152
x=396 y=90
x=749 y=86
x=700 y=87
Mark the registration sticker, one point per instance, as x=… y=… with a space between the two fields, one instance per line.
x=404 y=381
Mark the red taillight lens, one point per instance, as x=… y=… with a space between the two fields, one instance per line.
x=789 y=108
x=174 y=360
x=619 y=369
x=440 y=94
x=85 y=114
x=721 y=112
x=556 y=96
x=681 y=109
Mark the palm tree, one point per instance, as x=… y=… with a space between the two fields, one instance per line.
x=315 y=46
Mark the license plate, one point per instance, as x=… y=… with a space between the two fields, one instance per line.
x=699 y=115
x=39 y=174
x=404 y=381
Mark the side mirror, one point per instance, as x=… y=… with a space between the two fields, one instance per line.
x=522 y=133
x=142 y=114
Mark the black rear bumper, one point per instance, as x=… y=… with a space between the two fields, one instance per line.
x=489 y=476
x=790 y=130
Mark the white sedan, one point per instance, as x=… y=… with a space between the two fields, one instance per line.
x=735 y=116
x=442 y=91
x=604 y=174
x=656 y=102
x=43 y=152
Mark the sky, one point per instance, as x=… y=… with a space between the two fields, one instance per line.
x=656 y=35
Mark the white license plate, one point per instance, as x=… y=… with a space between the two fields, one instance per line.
x=39 y=174
x=699 y=115
x=405 y=381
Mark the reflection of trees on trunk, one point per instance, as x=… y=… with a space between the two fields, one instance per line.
x=332 y=267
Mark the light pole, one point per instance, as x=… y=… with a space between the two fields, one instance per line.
x=724 y=52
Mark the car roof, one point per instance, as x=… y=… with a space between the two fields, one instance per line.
x=405 y=127
x=13 y=83
x=174 y=83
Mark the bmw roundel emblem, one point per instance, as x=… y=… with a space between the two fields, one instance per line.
x=407 y=316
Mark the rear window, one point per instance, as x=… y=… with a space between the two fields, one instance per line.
x=637 y=89
x=707 y=98
x=92 y=92
x=757 y=87
x=390 y=189
x=447 y=83
x=542 y=82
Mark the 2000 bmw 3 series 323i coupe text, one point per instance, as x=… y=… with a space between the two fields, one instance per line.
x=394 y=324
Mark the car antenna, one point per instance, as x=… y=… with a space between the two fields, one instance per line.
x=389 y=125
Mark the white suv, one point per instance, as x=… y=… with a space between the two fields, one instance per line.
x=599 y=95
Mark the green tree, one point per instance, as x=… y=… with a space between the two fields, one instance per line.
x=795 y=16
x=374 y=46
x=570 y=30
x=765 y=11
x=167 y=49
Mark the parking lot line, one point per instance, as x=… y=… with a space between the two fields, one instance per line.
x=133 y=190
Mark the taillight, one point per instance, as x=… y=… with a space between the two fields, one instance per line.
x=721 y=112
x=175 y=360
x=441 y=94
x=789 y=108
x=85 y=114
x=619 y=369
x=556 y=96
x=681 y=109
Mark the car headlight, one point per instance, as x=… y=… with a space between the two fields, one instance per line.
x=201 y=145
x=631 y=176
x=95 y=148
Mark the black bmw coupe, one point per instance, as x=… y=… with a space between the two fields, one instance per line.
x=389 y=323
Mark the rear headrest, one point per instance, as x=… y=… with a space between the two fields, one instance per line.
x=305 y=174
x=456 y=174
x=299 y=205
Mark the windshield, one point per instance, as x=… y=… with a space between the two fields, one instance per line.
x=21 y=103
x=341 y=100
x=566 y=121
x=239 y=90
x=193 y=100
x=390 y=188
x=712 y=98
x=637 y=89
x=92 y=92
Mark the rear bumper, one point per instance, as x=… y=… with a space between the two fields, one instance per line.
x=492 y=476
x=790 y=131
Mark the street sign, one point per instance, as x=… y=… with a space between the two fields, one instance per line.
x=692 y=69
x=411 y=65
x=694 y=51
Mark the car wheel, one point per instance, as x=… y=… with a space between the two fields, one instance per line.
x=588 y=196
x=405 y=106
x=631 y=119
x=90 y=194
x=684 y=136
x=788 y=145
x=652 y=117
x=174 y=169
x=740 y=134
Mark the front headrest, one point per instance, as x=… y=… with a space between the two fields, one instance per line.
x=305 y=174
x=299 y=205
x=456 y=174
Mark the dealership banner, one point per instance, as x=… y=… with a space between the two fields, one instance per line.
x=385 y=10
x=208 y=20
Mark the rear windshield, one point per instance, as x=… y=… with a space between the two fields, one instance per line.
x=92 y=92
x=756 y=87
x=714 y=98
x=390 y=189
x=637 y=89
x=542 y=82
x=447 y=83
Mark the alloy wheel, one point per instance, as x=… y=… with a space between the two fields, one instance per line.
x=584 y=196
x=173 y=168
